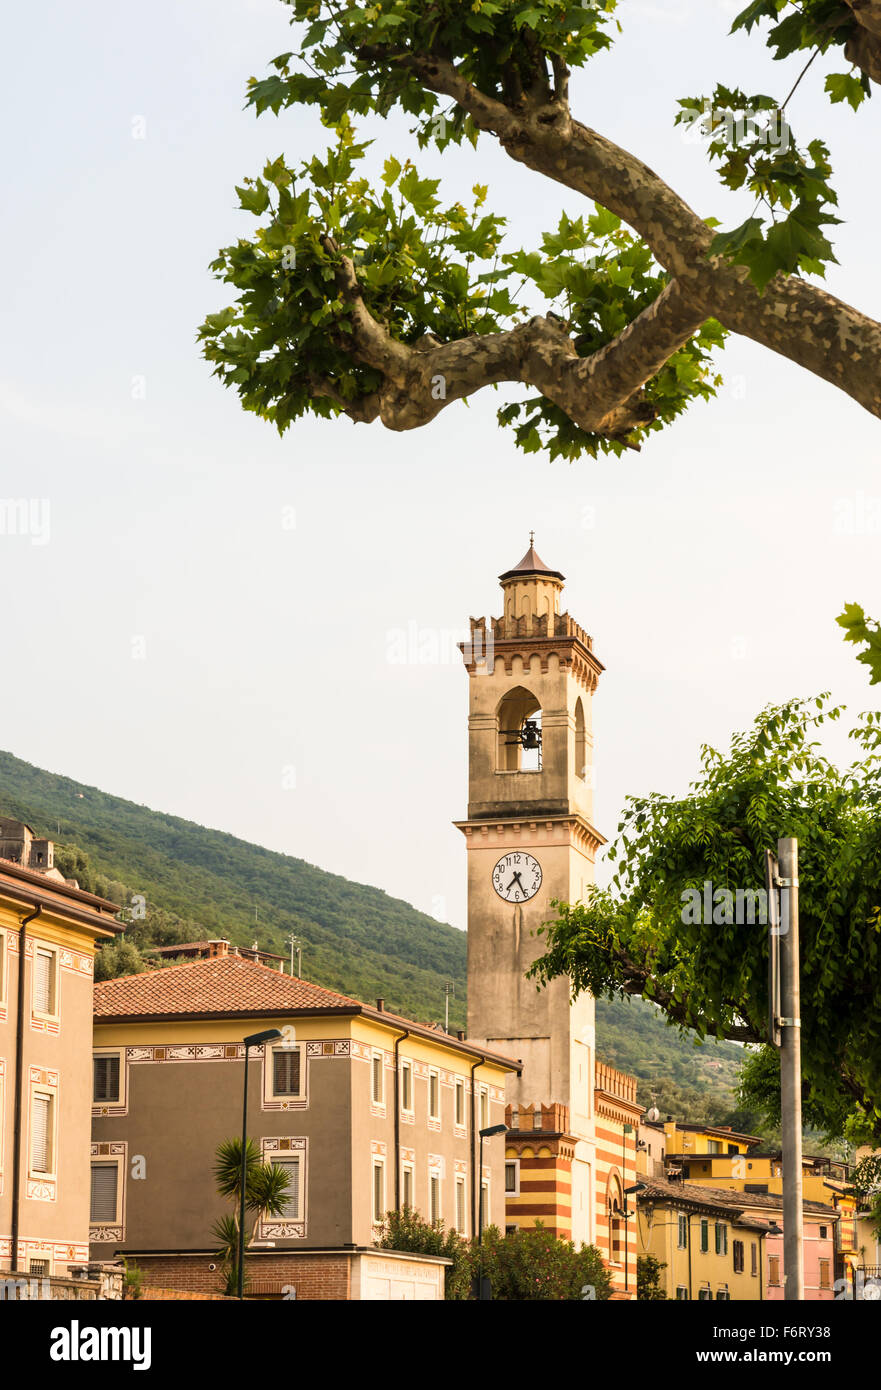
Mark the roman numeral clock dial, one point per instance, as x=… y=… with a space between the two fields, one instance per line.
x=517 y=877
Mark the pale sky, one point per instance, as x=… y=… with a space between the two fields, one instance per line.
x=168 y=640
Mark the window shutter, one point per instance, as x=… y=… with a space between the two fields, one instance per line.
x=291 y=1166
x=434 y=1186
x=460 y=1206
x=42 y=982
x=106 y=1078
x=286 y=1071
x=40 y=1134
x=378 y=1212
x=377 y=1080
x=104 y=1182
x=408 y=1188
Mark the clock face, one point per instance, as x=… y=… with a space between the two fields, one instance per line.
x=517 y=877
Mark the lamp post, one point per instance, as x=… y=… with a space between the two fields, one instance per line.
x=483 y=1292
x=253 y=1041
x=626 y=1214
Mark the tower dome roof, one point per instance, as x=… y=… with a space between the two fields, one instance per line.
x=531 y=564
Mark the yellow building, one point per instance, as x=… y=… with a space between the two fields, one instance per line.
x=716 y=1156
x=709 y=1243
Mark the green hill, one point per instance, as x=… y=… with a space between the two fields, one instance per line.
x=356 y=939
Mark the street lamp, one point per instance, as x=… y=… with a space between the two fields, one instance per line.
x=253 y=1041
x=487 y=1133
x=637 y=1187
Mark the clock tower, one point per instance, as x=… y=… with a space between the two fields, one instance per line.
x=530 y=839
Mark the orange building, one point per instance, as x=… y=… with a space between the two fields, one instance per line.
x=48 y=933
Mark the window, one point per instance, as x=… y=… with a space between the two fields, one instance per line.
x=753 y=1259
x=705 y=1295
x=292 y=1198
x=773 y=1269
x=512 y=1177
x=434 y=1198
x=105 y=1072
x=723 y=1296
x=433 y=1095
x=2 y=966
x=377 y=1078
x=825 y=1282
x=681 y=1293
x=378 y=1191
x=484 y=1203
x=460 y=1103
x=39 y=1268
x=105 y=1184
x=822 y=1232
x=705 y=1235
x=460 y=1206
x=44 y=981
x=683 y=1231
x=407 y=1086
x=41 y=1133
x=484 y=1108
x=714 y=1146
x=286 y=1071
x=407 y=1186
x=737 y=1252
x=721 y=1238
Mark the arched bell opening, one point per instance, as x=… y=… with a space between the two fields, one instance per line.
x=519 y=732
x=580 y=741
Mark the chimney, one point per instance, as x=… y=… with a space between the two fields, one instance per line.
x=461 y=1035
x=380 y=1005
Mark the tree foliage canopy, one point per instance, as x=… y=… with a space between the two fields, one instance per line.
x=390 y=302
x=711 y=975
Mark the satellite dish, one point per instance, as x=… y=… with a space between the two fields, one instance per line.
x=653 y=1114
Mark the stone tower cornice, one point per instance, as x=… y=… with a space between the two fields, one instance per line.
x=526 y=638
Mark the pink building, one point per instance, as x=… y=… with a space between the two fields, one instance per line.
x=819 y=1247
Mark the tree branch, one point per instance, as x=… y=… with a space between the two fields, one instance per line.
x=601 y=393
x=798 y=320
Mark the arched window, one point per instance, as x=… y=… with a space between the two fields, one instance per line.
x=519 y=732
x=580 y=741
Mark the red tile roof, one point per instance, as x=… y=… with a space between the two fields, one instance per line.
x=225 y=985
x=229 y=986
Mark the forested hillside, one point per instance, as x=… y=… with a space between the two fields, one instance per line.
x=199 y=883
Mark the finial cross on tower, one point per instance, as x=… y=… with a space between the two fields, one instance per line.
x=531 y=539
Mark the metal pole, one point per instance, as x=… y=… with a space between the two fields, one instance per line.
x=241 y=1268
x=481 y=1289
x=790 y=1073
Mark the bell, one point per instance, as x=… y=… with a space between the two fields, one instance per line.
x=531 y=737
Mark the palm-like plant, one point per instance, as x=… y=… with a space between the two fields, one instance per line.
x=266 y=1187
